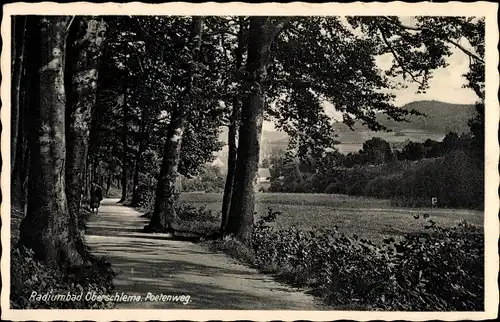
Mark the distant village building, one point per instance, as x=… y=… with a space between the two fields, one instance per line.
x=178 y=183
x=218 y=164
x=263 y=180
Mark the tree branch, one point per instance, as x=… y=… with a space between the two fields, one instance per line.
x=69 y=24
x=138 y=59
x=400 y=63
x=279 y=26
x=451 y=41
x=154 y=38
x=466 y=51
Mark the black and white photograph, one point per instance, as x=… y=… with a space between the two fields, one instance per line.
x=292 y=162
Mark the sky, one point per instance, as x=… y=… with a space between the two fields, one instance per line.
x=446 y=84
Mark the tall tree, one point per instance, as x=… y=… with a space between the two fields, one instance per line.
x=376 y=150
x=164 y=216
x=45 y=229
x=84 y=55
x=19 y=126
x=233 y=125
x=18 y=31
x=138 y=157
x=124 y=139
x=262 y=33
x=322 y=59
x=473 y=30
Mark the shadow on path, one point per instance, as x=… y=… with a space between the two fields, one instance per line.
x=156 y=264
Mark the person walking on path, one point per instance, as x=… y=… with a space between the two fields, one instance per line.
x=95 y=197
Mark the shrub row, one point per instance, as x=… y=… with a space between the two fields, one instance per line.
x=457 y=180
x=440 y=269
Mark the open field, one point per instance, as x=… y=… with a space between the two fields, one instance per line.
x=366 y=217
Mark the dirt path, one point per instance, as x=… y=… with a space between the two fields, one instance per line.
x=150 y=263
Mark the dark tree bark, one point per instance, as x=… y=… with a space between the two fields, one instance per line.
x=87 y=177
x=231 y=165
x=95 y=169
x=140 y=151
x=20 y=101
x=164 y=216
x=18 y=41
x=241 y=213
x=124 y=147
x=108 y=184
x=84 y=53
x=232 y=132
x=19 y=179
x=45 y=229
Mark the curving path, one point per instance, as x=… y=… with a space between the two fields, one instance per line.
x=151 y=263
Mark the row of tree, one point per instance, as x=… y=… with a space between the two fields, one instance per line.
x=375 y=151
x=145 y=97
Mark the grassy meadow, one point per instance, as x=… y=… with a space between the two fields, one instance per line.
x=370 y=218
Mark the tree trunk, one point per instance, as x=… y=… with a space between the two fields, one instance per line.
x=95 y=170
x=124 y=146
x=19 y=179
x=87 y=177
x=140 y=151
x=241 y=213
x=20 y=159
x=85 y=45
x=231 y=170
x=164 y=216
x=45 y=228
x=18 y=40
x=108 y=184
x=232 y=132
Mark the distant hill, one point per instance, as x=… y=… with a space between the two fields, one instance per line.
x=440 y=118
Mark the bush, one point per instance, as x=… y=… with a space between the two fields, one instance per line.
x=457 y=180
x=198 y=220
x=441 y=269
x=29 y=274
x=211 y=179
x=235 y=249
x=191 y=213
x=146 y=191
x=382 y=187
x=336 y=187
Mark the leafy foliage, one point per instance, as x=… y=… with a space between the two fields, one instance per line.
x=439 y=270
x=29 y=275
x=210 y=179
x=144 y=68
x=376 y=151
x=448 y=170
